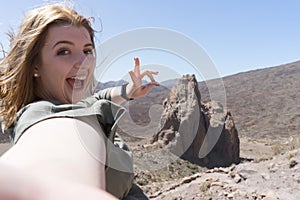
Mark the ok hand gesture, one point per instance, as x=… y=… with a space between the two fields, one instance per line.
x=135 y=89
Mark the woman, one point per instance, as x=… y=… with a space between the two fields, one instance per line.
x=58 y=133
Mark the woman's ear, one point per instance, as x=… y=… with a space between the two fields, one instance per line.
x=35 y=72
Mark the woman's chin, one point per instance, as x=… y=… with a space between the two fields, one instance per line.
x=77 y=96
x=74 y=95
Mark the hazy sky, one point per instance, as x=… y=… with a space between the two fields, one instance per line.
x=237 y=35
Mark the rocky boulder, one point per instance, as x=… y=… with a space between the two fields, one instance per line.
x=202 y=133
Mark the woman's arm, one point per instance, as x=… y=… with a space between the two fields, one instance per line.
x=17 y=184
x=64 y=148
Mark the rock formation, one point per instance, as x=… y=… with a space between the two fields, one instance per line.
x=203 y=133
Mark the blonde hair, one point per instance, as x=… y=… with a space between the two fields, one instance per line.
x=17 y=87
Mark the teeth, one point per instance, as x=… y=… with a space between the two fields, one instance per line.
x=80 y=78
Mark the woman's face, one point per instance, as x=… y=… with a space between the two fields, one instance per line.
x=67 y=64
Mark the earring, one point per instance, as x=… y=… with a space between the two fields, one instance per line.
x=35 y=75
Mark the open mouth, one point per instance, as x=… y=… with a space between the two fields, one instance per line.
x=76 y=82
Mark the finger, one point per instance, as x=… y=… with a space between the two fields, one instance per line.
x=147 y=88
x=133 y=77
x=149 y=71
x=149 y=74
x=136 y=66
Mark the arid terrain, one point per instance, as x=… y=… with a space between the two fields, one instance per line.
x=265 y=105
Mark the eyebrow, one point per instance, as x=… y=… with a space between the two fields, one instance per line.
x=71 y=43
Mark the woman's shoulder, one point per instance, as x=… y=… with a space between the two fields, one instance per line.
x=105 y=112
x=41 y=108
x=29 y=115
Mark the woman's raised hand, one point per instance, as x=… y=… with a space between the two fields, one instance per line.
x=136 y=89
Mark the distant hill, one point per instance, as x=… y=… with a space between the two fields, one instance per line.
x=264 y=102
x=103 y=85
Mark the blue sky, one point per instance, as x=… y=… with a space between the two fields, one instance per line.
x=237 y=35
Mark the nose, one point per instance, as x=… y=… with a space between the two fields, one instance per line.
x=83 y=61
x=79 y=58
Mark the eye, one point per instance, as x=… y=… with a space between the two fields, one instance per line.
x=63 y=52
x=89 y=51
